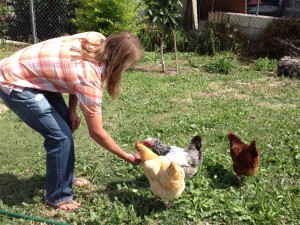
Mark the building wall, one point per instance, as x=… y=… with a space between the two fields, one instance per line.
x=251 y=25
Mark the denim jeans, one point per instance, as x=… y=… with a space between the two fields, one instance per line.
x=47 y=113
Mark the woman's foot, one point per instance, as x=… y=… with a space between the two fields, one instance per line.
x=68 y=205
x=80 y=182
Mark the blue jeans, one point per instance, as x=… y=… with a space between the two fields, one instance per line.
x=47 y=113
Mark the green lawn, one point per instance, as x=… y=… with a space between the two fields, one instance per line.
x=174 y=107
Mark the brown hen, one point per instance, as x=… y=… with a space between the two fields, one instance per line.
x=245 y=157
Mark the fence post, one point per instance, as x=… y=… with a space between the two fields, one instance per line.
x=33 y=25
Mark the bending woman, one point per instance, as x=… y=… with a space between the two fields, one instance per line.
x=32 y=81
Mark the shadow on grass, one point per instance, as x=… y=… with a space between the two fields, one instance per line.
x=15 y=191
x=222 y=178
x=141 y=198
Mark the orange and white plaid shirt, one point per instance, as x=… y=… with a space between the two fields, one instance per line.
x=49 y=66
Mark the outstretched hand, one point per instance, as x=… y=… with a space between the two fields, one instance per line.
x=134 y=159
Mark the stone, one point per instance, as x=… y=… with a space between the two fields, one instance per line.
x=289 y=66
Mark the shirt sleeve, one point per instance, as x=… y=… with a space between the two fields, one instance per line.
x=89 y=90
x=88 y=104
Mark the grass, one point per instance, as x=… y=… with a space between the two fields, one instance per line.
x=251 y=102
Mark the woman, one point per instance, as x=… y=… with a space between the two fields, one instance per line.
x=32 y=81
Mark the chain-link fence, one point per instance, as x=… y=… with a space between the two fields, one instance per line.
x=32 y=21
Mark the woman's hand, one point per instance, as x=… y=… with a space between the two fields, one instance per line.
x=75 y=120
x=133 y=159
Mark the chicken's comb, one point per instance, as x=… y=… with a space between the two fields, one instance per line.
x=147 y=143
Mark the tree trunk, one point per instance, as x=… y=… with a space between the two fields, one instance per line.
x=162 y=49
x=175 y=47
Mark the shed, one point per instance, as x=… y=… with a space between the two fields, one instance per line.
x=250 y=15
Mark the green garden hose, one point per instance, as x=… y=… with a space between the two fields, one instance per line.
x=17 y=215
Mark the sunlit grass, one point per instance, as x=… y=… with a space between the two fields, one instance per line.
x=173 y=107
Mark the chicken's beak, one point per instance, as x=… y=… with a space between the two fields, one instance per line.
x=136 y=145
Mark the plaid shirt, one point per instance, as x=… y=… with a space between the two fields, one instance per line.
x=49 y=66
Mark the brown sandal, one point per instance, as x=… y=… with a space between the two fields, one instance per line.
x=80 y=182
x=68 y=205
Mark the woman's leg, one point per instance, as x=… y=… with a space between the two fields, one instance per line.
x=57 y=101
x=35 y=110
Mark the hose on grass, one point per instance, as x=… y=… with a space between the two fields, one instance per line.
x=17 y=215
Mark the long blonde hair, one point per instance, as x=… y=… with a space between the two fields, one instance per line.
x=117 y=52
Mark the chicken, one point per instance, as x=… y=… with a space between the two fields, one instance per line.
x=245 y=157
x=165 y=177
x=188 y=158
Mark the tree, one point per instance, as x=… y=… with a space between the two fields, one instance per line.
x=164 y=14
x=108 y=16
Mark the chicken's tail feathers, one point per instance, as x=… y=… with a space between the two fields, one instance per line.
x=253 y=143
x=175 y=171
x=197 y=142
x=195 y=146
x=253 y=148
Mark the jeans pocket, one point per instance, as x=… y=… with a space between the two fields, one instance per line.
x=31 y=99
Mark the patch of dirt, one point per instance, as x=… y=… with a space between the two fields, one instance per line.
x=219 y=89
x=276 y=106
x=155 y=69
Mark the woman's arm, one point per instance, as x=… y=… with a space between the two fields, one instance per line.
x=75 y=119
x=105 y=140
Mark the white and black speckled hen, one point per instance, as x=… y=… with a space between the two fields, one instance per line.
x=188 y=158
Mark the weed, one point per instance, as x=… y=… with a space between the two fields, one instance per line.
x=264 y=64
x=221 y=65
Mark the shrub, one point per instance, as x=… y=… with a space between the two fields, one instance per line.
x=6 y=15
x=216 y=38
x=108 y=16
x=222 y=65
x=264 y=64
